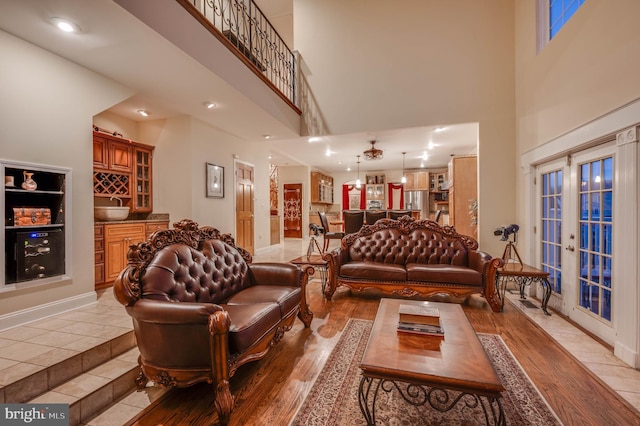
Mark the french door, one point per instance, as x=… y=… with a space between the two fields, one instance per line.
x=575 y=218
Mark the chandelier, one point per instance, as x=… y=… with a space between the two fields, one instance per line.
x=372 y=153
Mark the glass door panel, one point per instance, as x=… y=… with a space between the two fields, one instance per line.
x=596 y=236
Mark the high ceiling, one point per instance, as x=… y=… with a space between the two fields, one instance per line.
x=117 y=45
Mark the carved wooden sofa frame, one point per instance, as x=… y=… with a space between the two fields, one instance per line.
x=375 y=281
x=213 y=323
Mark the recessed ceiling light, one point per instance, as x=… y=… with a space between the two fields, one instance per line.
x=65 y=25
x=209 y=105
x=440 y=129
x=143 y=113
x=314 y=139
x=267 y=136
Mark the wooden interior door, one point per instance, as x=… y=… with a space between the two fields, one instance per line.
x=244 y=207
x=292 y=210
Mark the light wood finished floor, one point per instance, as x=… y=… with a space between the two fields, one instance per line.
x=269 y=392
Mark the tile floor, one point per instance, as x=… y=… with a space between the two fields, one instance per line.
x=32 y=347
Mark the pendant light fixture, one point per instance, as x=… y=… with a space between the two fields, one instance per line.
x=358 y=183
x=404 y=178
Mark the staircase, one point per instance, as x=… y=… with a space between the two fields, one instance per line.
x=95 y=374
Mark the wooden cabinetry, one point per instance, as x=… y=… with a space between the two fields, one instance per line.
x=437 y=181
x=375 y=192
x=98 y=245
x=142 y=182
x=417 y=181
x=111 y=244
x=117 y=239
x=123 y=168
x=151 y=227
x=463 y=190
x=321 y=188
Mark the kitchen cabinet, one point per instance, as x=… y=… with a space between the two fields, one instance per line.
x=117 y=239
x=417 y=181
x=437 y=181
x=375 y=192
x=35 y=228
x=463 y=190
x=123 y=168
x=321 y=188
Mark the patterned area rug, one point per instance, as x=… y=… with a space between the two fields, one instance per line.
x=333 y=399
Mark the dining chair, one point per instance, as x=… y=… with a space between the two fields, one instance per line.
x=397 y=214
x=371 y=217
x=328 y=235
x=353 y=221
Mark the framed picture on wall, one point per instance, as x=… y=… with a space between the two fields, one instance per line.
x=215 y=181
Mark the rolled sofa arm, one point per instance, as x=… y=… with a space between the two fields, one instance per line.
x=276 y=274
x=163 y=312
x=478 y=260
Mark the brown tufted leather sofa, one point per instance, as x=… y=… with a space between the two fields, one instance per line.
x=201 y=309
x=412 y=259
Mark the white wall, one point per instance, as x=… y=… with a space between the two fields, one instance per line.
x=579 y=88
x=45 y=117
x=425 y=62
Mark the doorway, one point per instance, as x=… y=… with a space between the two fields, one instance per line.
x=244 y=206
x=292 y=197
x=575 y=242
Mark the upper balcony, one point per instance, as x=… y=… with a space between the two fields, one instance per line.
x=243 y=28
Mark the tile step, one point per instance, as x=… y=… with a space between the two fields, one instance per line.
x=92 y=391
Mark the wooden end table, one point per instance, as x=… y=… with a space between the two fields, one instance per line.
x=523 y=275
x=440 y=372
x=316 y=261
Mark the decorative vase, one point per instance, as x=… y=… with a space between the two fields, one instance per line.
x=29 y=184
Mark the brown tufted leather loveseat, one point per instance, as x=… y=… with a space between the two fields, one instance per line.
x=200 y=309
x=412 y=259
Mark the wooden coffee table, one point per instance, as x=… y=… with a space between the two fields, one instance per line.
x=440 y=372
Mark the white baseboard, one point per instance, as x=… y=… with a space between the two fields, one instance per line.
x=626 y=355
x=15 y=319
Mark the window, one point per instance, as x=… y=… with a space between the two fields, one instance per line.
x=552 y=15
x=560 y=11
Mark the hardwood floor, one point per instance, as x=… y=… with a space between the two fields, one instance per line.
x=269 y=391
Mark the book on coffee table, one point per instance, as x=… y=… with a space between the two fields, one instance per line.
x=418 y=314
x=427 y=330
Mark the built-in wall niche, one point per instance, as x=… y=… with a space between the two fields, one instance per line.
x=35 y=234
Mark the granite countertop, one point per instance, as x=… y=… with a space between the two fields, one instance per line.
x=153 y=217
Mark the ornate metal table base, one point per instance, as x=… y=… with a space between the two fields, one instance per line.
x=523 y=275
x=522 y=283
x=442 y=400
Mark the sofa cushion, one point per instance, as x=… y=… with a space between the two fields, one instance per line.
x=392 y=246
x=249 y=323
x=181 y=273
x=443 y=273
x=374 y=271
x=287 y=297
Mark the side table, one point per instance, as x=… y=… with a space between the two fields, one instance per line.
x=523 y=275
x=317 y=262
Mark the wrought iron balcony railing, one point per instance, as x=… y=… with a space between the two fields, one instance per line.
x=242 y=25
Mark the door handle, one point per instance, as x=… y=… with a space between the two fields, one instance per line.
x=570 y=248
